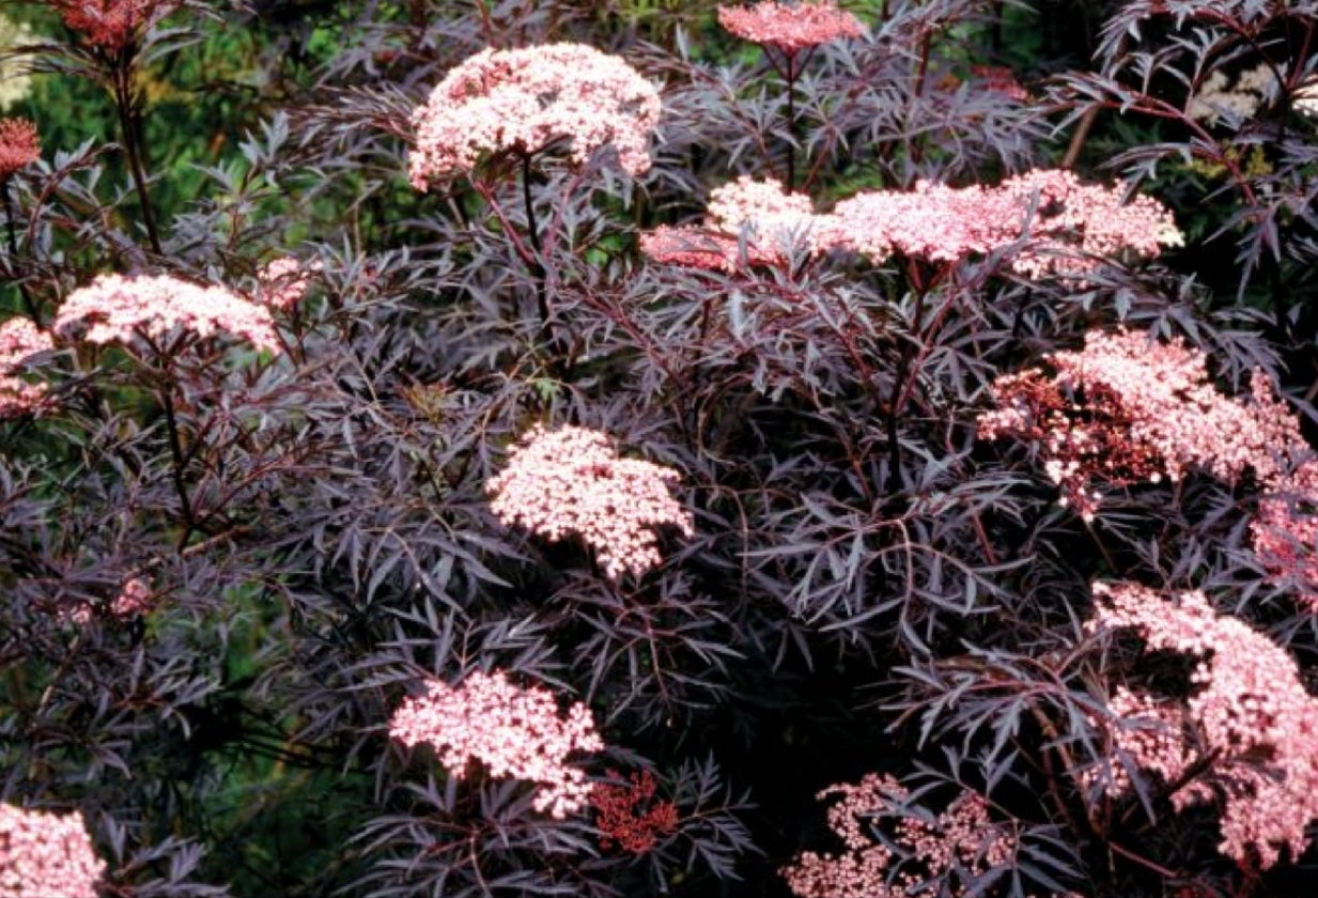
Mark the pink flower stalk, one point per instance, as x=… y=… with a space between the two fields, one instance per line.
x=44 y=854
x=524 y=101
x=111 y=25
x=284 y=282
x=513 y=732
x=571 y=482
x=20 y=339
x=1149 y=409
x=115 y=308
x=1249 y=707
x=757 y=218
x=20 y=145
x=1063 y=225
x=791 y=27
x=956 y=847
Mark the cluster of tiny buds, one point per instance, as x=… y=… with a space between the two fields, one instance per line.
x=111 y=25
x=20 y=145
x=513 y=732
x=44 y=855
x=118 y=308
x=627 y=815
x=528 y=99
x=1248 y=708
x=791 y=27
x=20 y=340
x=571 y=482
x=953 y=848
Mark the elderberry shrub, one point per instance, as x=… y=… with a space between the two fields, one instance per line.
x=787 y=448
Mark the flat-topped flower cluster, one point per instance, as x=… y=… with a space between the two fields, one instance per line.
x=118 y=308
x=791 y=27
x=528 y=99
x=514 y=732
x=1049 y=221
x=570 y=482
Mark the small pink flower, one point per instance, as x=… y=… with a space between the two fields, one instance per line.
x=115 y=308
x=570 y=482
x=44 y=854
x=20 y=145
x=514 y=732
x=529 y=99
x=791 y=27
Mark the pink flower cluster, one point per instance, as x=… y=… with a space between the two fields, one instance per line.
x=1127 y=409
x=44 y=855
x=1248 y=706
x=755 y=217
x=1056 y=224
x=513 y=732
x=527 y=99
x=20 y=339
x=791 y=27
x=571 y=482
x=117 y=308
x=20 y=145
x=1062 y=225
x=962 y=841
x=1149 y=409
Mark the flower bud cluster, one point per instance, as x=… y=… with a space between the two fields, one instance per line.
x=627 y=814
x=20 y=145
x=570 y=482
x=525 y=100
x=513 y=732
